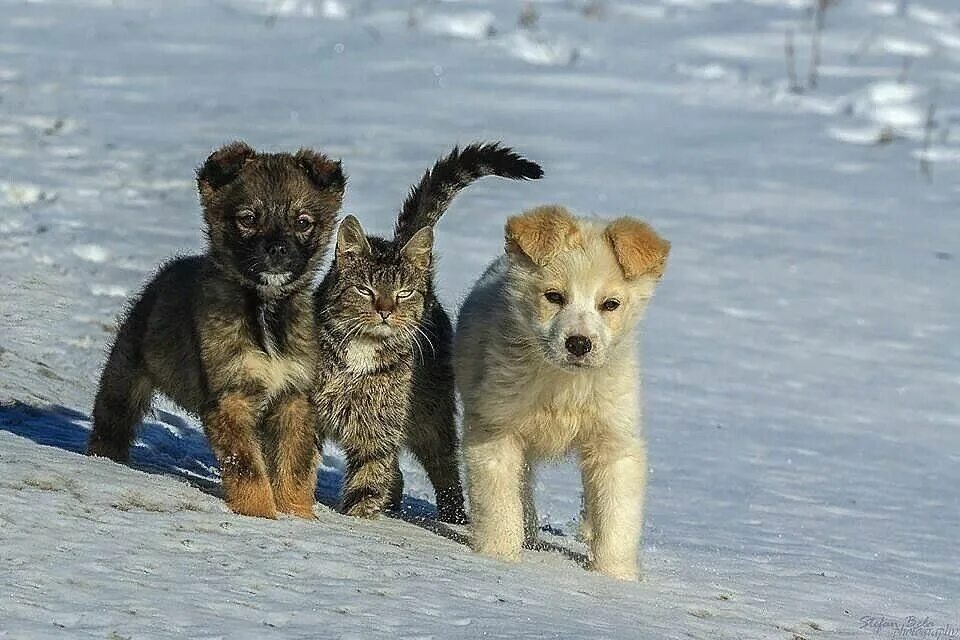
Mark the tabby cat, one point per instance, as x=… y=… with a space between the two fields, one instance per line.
x=387 y=380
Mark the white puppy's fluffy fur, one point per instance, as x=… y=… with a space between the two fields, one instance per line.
x=529 y=396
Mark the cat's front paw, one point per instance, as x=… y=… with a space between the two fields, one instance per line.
x=369 y=509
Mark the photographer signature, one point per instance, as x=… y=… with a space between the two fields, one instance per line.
x=909 y=627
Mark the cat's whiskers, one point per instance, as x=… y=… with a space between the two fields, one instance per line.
x=426 y=337
x=351 y=332
x=413 y=341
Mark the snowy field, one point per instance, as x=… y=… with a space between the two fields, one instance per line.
x=802 y=358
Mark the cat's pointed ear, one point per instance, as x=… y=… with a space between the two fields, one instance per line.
x=351 y=239
x=419 y=249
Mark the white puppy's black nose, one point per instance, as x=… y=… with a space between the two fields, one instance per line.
x=579 y=345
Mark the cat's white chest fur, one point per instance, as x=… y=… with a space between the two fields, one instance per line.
x=362 y=356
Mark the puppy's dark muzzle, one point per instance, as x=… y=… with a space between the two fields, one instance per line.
x=578 y=345
x=278 y=257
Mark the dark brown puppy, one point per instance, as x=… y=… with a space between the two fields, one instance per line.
x=229 y=335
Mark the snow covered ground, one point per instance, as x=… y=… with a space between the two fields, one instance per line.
x=802 y=358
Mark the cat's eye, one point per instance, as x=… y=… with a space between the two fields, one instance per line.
x=247 y=220
x=304 y=223
x=555 y=297
x=365 y=291
x=610 y=305
x=403 y=294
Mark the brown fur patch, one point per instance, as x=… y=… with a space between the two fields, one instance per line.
x=541 y=233
x=234 y=408
x=639 y=250
x=295 y=476
x=298 y=500
x=230 y=430
x=250 y=497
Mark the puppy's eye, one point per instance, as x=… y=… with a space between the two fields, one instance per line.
x=304 y=223
x=555 y=297
x=366 y=292
x=610 y=305
x=403 y=294
x=247 y=220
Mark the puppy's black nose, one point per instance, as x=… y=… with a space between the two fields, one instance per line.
x=579 y=345
x=277 y=250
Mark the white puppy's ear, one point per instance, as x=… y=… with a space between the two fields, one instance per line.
x=419 y=249
x=639 y=250
x=541 y=233
x=351 y=238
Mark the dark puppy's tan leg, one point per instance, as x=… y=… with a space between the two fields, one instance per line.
x=290 y=443
x=231 y=430
x=122 y=400
x=371 y=479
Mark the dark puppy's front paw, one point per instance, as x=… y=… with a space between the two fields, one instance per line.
x=251 y=498
x=304 y=511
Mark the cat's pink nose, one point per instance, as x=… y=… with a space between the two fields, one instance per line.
x=384 y=306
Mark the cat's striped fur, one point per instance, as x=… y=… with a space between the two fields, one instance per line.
x=388 y=380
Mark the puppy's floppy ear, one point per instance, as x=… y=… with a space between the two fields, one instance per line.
x=351 y=239
x=323 y=172
x=223 y=166
x=541 y=233
x=639 y=250
x=419 y=249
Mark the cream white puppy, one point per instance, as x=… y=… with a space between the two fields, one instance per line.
x=546 y=363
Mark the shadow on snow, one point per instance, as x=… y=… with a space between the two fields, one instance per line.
x=171 y=446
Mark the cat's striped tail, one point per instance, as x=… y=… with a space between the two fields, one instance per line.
x=438 y=187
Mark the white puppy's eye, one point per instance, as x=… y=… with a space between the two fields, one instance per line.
x=366 y=292
x=555 y=297
x=404 y=294
x=610 y=305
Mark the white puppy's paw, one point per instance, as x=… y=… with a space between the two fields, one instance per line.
x=626 y=571
x=500 y=549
